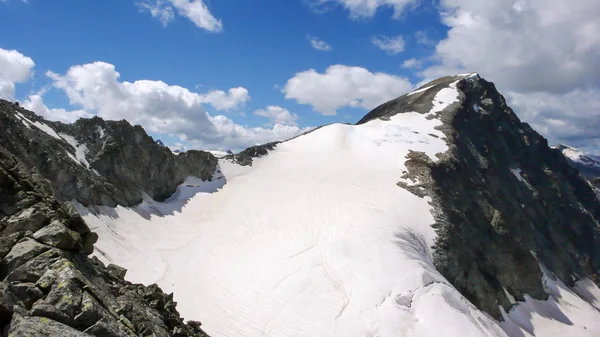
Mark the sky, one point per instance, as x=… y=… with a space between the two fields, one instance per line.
x=227 y=74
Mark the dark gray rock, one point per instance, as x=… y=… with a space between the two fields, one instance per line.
x=28 y=293
x=65 y=296
x=245 y=157
x=58 y=235
x=6 y=242
x=121 y=161
x=91 y=311
x=40 y=326
x=117 y=271
x=21 y=252
x=105 y=329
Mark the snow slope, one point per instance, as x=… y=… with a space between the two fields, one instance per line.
x=579 y=157
x=314 y=239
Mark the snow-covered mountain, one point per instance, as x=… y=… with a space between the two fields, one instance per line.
x=587 y=164
x=438 y=214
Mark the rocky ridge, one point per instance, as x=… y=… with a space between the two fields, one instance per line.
x=504 y=201
x=97 y=162
x=50 y=287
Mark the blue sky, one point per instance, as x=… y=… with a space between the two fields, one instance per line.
x=262 y=46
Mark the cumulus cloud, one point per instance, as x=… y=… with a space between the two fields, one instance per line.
x=319 y=44
x=542 y=54
x=36 y=104
x=195 y=10
x=411 y=63
x=224 y=101
x=344 y=86
x=277 y=115
x=392 y=45
x=14 y=68
x=534 y=45
x=162 y=108
x=360 y=9
x=571 y=118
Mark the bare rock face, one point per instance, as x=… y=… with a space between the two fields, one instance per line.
x=245 y=157
x=97 y=162
x=49 y=286
x=504 y=201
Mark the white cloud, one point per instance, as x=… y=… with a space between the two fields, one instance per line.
x=538 y=45
x=14 y=68
x=543 y=54
x=222 y=101
x=572 y=118
x=392 y=45
x=366 y=8
x=344 y=86
x=232 y=136
x=277 y=115
x=158 y=10
x=422 y=37
x=195 y=10
x=319 y=44
x=36 y=104
x=411 y=63
x=162 y=108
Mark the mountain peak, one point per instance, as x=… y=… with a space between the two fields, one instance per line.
x=587 y=164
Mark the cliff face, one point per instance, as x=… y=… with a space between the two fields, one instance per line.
x=504 y=201
x=49 y=286
x=97 y=162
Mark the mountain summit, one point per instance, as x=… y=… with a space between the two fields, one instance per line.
x=587 y=164
x=438 y=214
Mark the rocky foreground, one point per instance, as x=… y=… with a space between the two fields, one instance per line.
x=50 y=287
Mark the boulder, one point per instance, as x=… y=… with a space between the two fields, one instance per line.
x=21 y=326
x=20 y=253
x=58 y=235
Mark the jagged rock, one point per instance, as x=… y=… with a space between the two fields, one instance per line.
x=117 y=271
x=98 y=162
x=20 y=253
x=58 y=235
x=27 y=293
x=104 y=329
x=30 y=219
x=42 y=308
x=6 y=242
x=245 y=157
x=33 y=269
x=91 y=311
x=65 y=296
x=40 y=326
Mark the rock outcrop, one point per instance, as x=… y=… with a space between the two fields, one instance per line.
x=97 y=162
x=245 y=157
x=48 y=284
x=504 y=201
